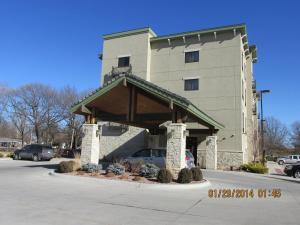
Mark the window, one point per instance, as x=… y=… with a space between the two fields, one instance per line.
x=242 y=89
x=192 y=57
x=243 y=123
x=191 y=84
x=245 y=97
x=158 y=153
x=123 y=61
x=295 y=157
x=142 y=153
x=242 y=62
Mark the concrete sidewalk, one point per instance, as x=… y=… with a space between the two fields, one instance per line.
x=29 y=195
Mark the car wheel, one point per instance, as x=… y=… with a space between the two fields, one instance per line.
x=280 y=162
x=35 y=158
x=297 y=174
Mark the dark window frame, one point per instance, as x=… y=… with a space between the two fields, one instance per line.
x=191 y=56
x=189 y=86
x=124 y=61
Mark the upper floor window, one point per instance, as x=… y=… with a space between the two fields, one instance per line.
x=242 y=62
x=192 y=56
x=123 y=61
x=243 y=121
x=191 y=84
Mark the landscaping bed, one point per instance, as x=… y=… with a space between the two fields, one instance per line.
x=126 y=171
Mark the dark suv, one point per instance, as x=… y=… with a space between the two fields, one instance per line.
x=293 y=170
x=34 y=152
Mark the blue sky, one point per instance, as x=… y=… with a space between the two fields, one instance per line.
x=57 y=42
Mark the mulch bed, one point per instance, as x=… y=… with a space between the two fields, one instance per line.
x=126 y=177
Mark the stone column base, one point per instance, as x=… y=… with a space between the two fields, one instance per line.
x=175 y=158
x=90 y=144
x=211 y=152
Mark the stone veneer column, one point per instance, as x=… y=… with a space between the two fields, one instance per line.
x=175 y=158
x=211 y=152
x=90 y=144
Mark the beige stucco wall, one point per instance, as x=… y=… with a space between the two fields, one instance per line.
x=219 y=73
x=136 y=46
x=220 y=80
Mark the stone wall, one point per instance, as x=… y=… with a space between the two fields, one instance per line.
x=228 y=159
x=224 y=161
x=120 y=141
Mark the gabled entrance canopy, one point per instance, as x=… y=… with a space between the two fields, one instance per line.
x=128 y=99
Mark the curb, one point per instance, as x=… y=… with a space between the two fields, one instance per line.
x=193 y=186
x=5 y=159
x=157 y=186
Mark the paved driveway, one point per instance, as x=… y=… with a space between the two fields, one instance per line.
x=29 y=195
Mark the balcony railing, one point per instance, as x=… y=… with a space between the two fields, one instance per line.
x=254 y=86
x=121 y=70
x=254 y=109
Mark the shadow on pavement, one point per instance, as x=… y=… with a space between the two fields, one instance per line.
x=284 y=178
x=47 y=166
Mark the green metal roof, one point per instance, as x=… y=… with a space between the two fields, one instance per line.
x=128 y=33
x=253 y=51
x=150 y=88
x=241 y=27
x=238 y=27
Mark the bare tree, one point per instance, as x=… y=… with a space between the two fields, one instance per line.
x=18 y=116
x=73 y=123
x=40 y=107
x=295 y=136
x=255 y=144
x=3 y=101
x=276 y=136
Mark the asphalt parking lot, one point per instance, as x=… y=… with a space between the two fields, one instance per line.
x=30 y=195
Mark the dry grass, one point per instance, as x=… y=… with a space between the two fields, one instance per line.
x=80 y=173
x=77 y=161
x=124 y=176
x=138 y=178
x=110 y=174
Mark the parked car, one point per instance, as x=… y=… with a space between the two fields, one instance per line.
x=158 y=157
x=68 y=153
x=34 y=152
x=288 y=159
x=293 y=170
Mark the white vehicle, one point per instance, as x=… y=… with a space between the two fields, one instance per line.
x=158 y=157
x=288 y=159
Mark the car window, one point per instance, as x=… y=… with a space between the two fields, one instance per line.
x=189 y=154
x=158 y=153
x=290 y=157
x=295 y=157
x=36 y=147
x=26 y=147
x=142 y=153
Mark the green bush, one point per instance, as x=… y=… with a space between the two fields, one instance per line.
x=184 y=176
x=116 y=168
x=149 y=170
x=1 y=155
x=164 y=176
x=10 y=155
x=196 y=174
x=254 y=168
x=67 y=166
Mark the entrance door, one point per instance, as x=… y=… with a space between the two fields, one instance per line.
x=191 y=144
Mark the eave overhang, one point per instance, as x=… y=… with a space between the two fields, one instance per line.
x=163 y=94
x=129 y=33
